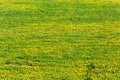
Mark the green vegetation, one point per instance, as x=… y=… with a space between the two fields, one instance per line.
x=59 y=40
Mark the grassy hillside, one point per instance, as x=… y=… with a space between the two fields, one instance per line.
x=59 y=40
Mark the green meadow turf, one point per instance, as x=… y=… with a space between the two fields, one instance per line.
x=59 y=40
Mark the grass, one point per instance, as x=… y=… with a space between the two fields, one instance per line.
x=59 y=40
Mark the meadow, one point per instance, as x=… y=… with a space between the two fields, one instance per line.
x=59 y=40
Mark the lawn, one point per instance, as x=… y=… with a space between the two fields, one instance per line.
x=59 y=40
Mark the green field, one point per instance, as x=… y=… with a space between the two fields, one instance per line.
x=59 y=40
